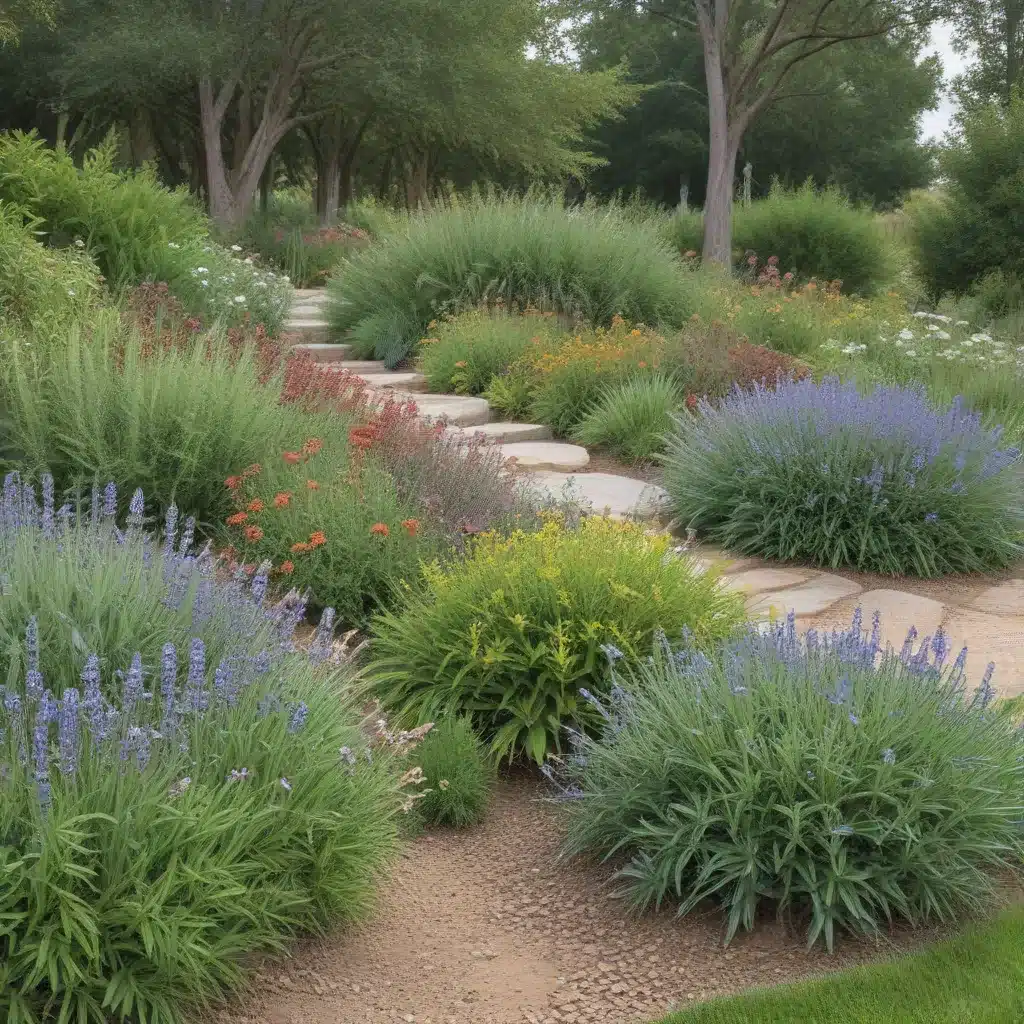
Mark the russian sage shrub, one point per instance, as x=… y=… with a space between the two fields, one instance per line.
x=167 y=813
x=880 y=481
x=843 y=784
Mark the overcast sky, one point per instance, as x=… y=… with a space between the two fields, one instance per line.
x=935 y=122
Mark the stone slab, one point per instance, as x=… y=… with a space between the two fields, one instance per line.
x=406 y=381
x=362 y=366
x=818 y=594
x=458 y=410
x=757 y=581
x=899 y=611
x=994 y=638
x=563 y=458
x=1005 y=599
x=620 y=496
x=501 y=432
x=323 y=353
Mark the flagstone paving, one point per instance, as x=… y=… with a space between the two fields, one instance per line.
x=984 y=613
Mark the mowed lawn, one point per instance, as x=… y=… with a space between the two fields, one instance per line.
x=975 y=978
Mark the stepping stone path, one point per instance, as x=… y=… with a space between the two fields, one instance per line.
x=984 y=615
x=529 y=443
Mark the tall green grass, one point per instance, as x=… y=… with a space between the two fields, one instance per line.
x=175 y=423
x=587 y=262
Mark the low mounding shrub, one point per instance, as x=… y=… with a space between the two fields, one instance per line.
x=583 y=262
x=813 y=234
x=632 y=419
x=880 y=481
x=841 y=783
x=179 y=421
x=165 y=815
x=456 y=773
x=328 y=522
x=466 y=352
x=512 y=633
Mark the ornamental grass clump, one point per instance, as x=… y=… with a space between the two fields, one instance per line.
x=179 y=789
x=881 y=481
x=844 y=785
x=513 y=632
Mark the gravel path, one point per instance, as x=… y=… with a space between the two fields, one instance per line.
x=488 y=927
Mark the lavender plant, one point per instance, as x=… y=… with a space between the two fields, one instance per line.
x=845 y=784
x=880 y=481
x=165 y=813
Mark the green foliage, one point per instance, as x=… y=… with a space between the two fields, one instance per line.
x=457 y=774
x=465 y=352
x=586 y=262
x=511 y=634
x=174 y=422
x=125 y=219
x=882 y=482
x=41 y=289
x=813 y=233
x=974 y=976
x=632 y=419
x=977 y=224
x=854 y=788
x=150 y=853
x=329 y=524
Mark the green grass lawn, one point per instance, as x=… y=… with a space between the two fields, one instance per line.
x=976 y=978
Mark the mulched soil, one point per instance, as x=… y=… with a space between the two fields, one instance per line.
x=488 y=926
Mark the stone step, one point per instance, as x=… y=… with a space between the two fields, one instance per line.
x=501 y=432
x=307 y=312
x=362 y=366
x=305 y=323
x=457 y=410
x=620 y=496
x=310 y=294
x=404 y=380
x=551 y=455
x=320 y=353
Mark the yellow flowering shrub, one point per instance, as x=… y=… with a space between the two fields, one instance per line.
x=518 y=630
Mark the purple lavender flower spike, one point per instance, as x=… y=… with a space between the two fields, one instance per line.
x=320 y=648
x=224 y=685
x=195 y=695
x=136 y=509
x=170 y=532
x=41 y=755
x=132 y=690
x=187 y=537
x=11 y=514
x=297 y=719
x=259 y=583
x=67 y=733
x=168 y=682
x=94 y=707
x=110 y=500
x=202 y=607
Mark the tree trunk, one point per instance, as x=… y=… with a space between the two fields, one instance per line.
x=417 y=180
x=267 y=184
x=724 y=144
x=346 y=178
x=329 y=189
x=141 y=141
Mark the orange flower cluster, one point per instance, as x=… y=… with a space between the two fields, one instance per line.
x=253 y=533
x=380 y=530
x=411 y=526
x=312 y=485
x=256 y=505
x=282 y=498
x=292 y=457
x=237 y=519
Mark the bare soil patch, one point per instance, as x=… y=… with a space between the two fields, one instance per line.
x=487 y=926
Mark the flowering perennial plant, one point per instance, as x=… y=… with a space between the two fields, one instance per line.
x=880 y=481
x=844 y=783
x=173 y=797
x=512 y=632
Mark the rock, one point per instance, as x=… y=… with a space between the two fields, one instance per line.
x=459 y=410
x=988 y=638
x=1006 y=599
x=757 y=581
x=323 y=353
x=898 y=611
x=562 y=458
x=395 y=379
x=816 y=595
x=502 y=432
x=621 y=496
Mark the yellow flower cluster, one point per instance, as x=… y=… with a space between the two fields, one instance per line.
x=602 y=348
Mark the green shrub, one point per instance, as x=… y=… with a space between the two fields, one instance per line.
x=41 y=289
x=154 y=842
x=881 y=482
x=586 y=263
x=976 y=224
x=125 y=219
x=177 y=421
x=511 y=634
x=814 y=233
x=685 y=230
x=466 y=352
x=811 y=772
x=632 y=419
x=456 y=772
